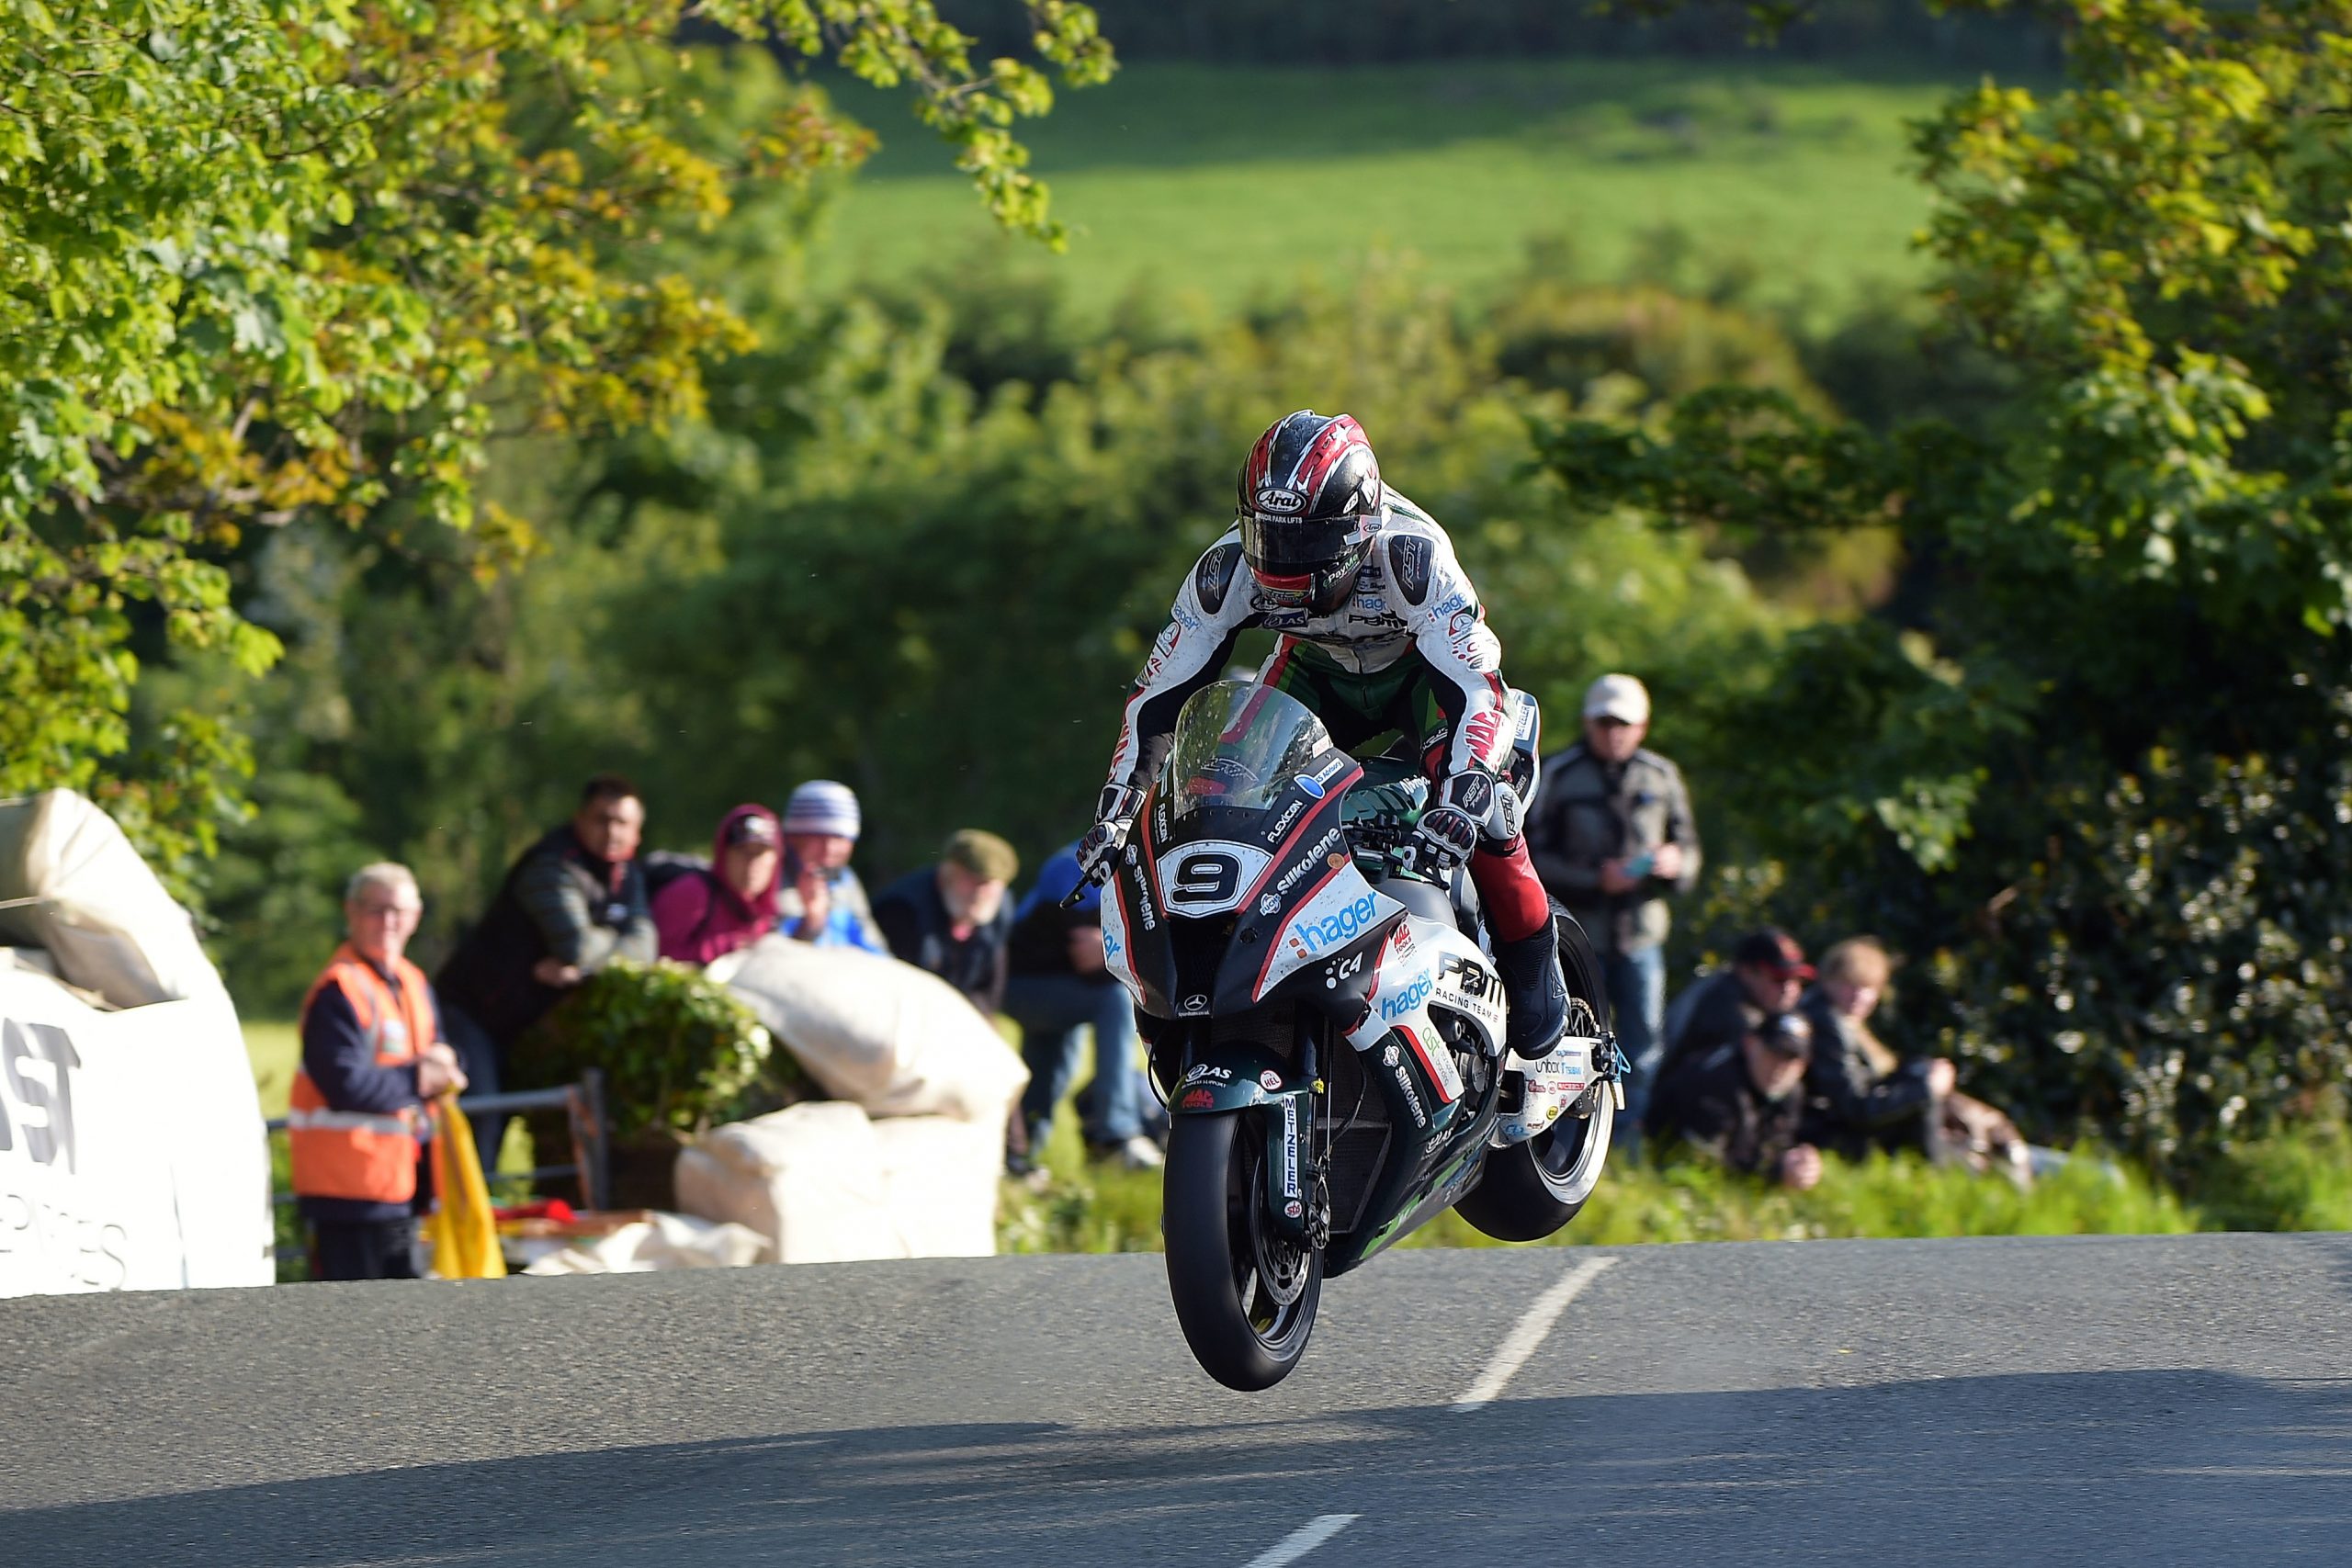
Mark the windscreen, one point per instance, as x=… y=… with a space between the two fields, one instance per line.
x=1239 y=745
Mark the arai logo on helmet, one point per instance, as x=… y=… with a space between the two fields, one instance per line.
x=1281 y=503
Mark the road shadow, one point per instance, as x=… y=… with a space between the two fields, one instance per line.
x=2088 y=1468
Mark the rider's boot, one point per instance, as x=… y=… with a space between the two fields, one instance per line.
x=1533 y=988
x=1534 y=991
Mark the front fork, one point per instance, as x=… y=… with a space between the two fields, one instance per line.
x=1298 y=1190
x=1297 y=1195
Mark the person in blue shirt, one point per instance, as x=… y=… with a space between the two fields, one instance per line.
x=821 y=901
x=1057 y=986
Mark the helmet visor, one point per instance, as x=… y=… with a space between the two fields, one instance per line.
x=1294 y=546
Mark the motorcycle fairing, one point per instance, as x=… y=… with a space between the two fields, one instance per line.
x=1469 y=983
x=1135 y=937
x=1234 y=1080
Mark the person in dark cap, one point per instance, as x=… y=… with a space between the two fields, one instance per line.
x=1743 y=1103
x=953 y=918
x=1767 y=975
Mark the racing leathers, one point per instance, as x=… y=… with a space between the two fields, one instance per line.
x=1409 y=651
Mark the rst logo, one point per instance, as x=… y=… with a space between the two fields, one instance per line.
x=36 y=1061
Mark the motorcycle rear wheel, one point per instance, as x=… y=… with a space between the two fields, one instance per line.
x=1245 y=1298
x=1531 y=1189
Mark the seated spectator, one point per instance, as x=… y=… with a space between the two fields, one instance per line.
x=372 y=1056
x=822 y=902
x=574 y=902
x=700 y=915
x=1767 y=977
x=1864 y=1096
x=1058 y=986
x=1743 y=1103
x=953 y=918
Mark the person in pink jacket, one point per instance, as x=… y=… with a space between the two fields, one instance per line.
x=704 y=914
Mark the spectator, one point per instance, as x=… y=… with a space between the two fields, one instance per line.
x=1743 y=1103
x=953 y=918
x=1767 y=977
x=822 y=901
x=1864 y=1096
x=372 y=1056
x=1058 y=986
x=1612 y=836
x=574 y=902
x=700 y=914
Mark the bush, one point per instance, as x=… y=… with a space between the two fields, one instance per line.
x=680 y=1052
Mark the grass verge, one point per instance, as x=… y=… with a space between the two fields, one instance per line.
x=2298 y=1181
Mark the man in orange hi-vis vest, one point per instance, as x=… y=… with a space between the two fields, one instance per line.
x=372 y=1057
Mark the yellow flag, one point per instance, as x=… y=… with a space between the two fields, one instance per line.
x=463 y=1235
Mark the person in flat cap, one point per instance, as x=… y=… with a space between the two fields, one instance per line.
x=821 y=900
x=1613 y=838
x=952 y=917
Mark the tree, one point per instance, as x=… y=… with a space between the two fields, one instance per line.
x=261 y=259
x=2093 y=777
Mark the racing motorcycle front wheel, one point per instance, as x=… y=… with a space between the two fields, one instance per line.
x=1245 y=1295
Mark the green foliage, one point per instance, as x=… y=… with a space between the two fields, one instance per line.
x=265 y=259
x=1103 y=1208
x=940 y=599
x=680 y=1052
x=2089 y=781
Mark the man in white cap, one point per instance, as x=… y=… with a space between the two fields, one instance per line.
x=1612 y=836
x=821 y=900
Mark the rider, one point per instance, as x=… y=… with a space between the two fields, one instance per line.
x=1378 y=630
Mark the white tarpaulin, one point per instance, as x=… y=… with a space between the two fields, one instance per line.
x=825 y=1183
x=896 y=1040
x=131 y=1154
x=72 y=885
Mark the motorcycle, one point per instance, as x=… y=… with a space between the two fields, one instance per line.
x=1326 y=1023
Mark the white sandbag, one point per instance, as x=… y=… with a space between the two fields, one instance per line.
x=72 y=885
x=896 y=1040
x=807 y=1178
x=666 y=1241
x=132 y=1150
x=939 y=1178
x=826 y=1184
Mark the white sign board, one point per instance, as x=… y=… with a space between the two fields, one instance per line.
x=131 y=1152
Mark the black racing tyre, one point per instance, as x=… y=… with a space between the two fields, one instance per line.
x=1531 y=1189
x=1244 y=1297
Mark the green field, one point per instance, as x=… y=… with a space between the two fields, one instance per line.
x=1231 y=183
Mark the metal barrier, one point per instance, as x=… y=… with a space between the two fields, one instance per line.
x=582 y=1104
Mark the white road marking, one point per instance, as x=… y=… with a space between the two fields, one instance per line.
x=1529 y=1332
x=1302 y=1540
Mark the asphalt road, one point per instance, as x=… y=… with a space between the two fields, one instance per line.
x=2077 y=1401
